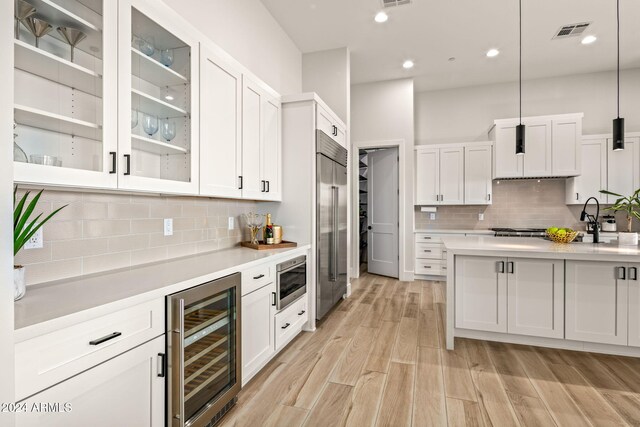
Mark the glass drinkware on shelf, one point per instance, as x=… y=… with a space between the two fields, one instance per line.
x=254 y=222
x=146 y=46
x=134 y=118
x=23 y=10
x=150 y=124
x=168 y=130
x=166 y=57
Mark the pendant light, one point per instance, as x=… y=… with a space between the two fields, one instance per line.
x=618 y=123
x=520 y=127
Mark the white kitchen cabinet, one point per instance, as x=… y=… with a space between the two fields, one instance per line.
x=478 y=185
x=481 y=293
x=440 y=175
x=158 y=96
x=535 y=295
x=129 y=387
x=597 y=302
x=634 y=305
x=271 y=156
x=220 y=127
x=326 y=122
x=552 y=147
x=258 y=335
x=593 y=176
x=623 y=167
x=67 y=109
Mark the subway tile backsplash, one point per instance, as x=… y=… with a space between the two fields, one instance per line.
x=516 y=203
x=98 y=232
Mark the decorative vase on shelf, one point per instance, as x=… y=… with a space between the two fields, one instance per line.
x=627 y=239
x=18 y=282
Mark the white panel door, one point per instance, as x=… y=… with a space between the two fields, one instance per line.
x=537 y=157
x=481 y=293
x=506 y=163
x=634 y=305
x=452 y=176
x=535 y=289
x=593 y=177
x=596 y=302
x=124 y=391
x=220 y=127
x=623 y=175
x=271 y=149
x=257 y=330
x=324 y=121
x=382 y=220
x=427 y=176
x=253 y=186
x=566 y=151
x=477 y=175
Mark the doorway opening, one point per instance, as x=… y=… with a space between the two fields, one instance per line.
x=379 y=213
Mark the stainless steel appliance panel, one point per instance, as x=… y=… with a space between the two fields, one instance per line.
x=325 y=225
x=341 y=232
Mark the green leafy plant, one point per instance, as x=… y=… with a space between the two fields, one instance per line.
x=23 y=227
x=628 y=204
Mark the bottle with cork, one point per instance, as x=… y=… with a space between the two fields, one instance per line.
x=268 y=231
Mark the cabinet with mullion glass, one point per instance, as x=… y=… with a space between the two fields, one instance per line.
x=64 y=98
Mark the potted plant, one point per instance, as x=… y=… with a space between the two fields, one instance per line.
x=23 y=229
x=630 y=205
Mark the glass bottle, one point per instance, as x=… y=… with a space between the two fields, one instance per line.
x=268 y=231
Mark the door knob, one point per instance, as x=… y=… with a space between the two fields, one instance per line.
x=369 y=228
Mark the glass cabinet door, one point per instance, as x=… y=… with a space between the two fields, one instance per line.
x=65 y=98
x=158 y=99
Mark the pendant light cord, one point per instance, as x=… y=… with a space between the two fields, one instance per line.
x=520 y=58
x=618 y=58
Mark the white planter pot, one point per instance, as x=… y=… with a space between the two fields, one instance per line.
x=628 y=239
x=18 y=283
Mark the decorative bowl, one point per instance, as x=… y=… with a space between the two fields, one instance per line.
x=563 y=237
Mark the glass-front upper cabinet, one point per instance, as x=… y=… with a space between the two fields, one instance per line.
x=65 y=108
x=158 y=105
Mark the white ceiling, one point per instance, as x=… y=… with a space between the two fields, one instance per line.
x=432 y=31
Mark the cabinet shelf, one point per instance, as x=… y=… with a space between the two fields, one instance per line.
x=152 y=146
x=151 y=105
x=36 y=118
x=51 y=67
x=148 y=69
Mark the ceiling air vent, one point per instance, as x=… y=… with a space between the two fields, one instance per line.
x=391 y=3
x=571 y=30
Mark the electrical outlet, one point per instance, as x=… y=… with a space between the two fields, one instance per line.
x=480 y=217
x=168 y=226
x=231 y=227
x=35 y=242
x=432 y=216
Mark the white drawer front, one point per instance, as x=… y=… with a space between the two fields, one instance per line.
x=289 y=322
x=257 y=277
x=428 y=238
x=429 y=251
x=48 y=359
x=430 y=267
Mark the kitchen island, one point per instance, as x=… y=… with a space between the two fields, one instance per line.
x=578 y=296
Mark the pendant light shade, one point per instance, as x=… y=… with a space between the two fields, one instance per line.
x=520 y=139
x=520 y=129
x=618 y=123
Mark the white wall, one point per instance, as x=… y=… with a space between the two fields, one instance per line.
x=246 y=30
x=465 y=114
x=328 y=73
x=6 y=209
x=383 y=111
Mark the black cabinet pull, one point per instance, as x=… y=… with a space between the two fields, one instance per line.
x=161 y=364
x=622 y=272
x=286 y=325
x=500 y=266
x=510 y=268
x=301 y=313
x=240 y=178
x=260 y=276
x=113 y=161
x=274 y=299
x=262 y=183
x=633 y=273
x=427 y=250
x=105 y=338
x=127 y=170
x=268 y=187
x=489 y=196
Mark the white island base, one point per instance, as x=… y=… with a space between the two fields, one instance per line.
x=532 y=291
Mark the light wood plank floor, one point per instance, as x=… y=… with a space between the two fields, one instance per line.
x=379 y=359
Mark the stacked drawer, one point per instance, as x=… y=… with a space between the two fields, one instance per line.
x=431 y=256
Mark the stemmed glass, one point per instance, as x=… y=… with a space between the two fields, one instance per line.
x=166 y=57
x=168 y=130
x=146 y=46
x=150 y=124
x=134 y=118
x=254 y=222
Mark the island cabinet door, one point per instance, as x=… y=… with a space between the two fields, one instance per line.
x=597 y=301
x=634 y=305
x=535 y=289
x=481 y=293
x=258 y=338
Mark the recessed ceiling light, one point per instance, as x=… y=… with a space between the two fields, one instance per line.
x=589 y=39
x=492 y=53
x=408 y=64
x=381 y=17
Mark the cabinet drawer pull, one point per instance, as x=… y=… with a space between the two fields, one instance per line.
x=161 y=364
x=273 y=303
x=633 y=273
x=268 y=187
x=105 y=338
x=489 y=196
x=427 y=238
x=113 y=161
x=427 y=250
x=301 y=313
x=577 y=196
x=500 y=266
x=286 y=325
x=259 y=276
x=510 y=267
x=263 y=186
x=240 y=178
x=622 y=273
x=427 y=266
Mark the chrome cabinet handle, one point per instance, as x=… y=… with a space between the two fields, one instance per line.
x=286 y=325
x=260 y=276
x=105 y=338
x=301 y=313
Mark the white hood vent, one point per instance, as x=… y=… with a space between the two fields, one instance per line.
x=392 y=3
x=572 y=30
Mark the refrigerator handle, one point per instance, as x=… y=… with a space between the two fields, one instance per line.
x=335 y=201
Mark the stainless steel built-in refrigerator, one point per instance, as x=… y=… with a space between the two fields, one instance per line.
x=331 y=220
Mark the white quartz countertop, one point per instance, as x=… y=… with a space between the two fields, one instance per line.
x=438 y=231
x=532 y=247
x=54 y=305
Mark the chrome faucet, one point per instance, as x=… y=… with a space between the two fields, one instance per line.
x=592 y=220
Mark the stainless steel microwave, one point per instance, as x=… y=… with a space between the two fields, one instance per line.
x=291 y=281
